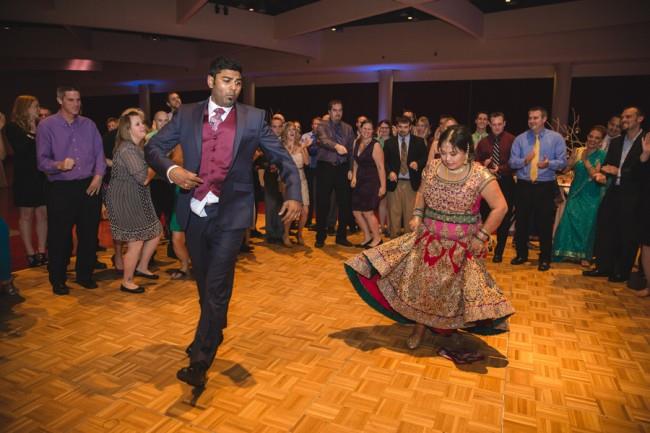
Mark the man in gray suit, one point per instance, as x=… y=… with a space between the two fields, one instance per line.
x=215 y=206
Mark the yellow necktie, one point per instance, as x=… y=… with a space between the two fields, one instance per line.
x=535 y=160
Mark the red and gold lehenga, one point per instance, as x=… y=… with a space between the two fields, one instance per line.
x=430 y=276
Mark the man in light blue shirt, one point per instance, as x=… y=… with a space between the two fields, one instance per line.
x=536 y=156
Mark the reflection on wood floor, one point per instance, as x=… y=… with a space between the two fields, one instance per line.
x=304 y=354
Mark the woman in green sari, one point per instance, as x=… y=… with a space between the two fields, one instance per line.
x=574 y=237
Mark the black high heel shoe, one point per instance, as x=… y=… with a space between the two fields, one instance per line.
x=32 y=261
x=42 y=258
x=368 y=246
x=364 y=244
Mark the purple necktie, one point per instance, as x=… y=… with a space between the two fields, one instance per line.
x=216 y=120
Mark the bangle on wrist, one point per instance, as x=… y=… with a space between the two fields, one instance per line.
x=481 y=232
x=485 y=233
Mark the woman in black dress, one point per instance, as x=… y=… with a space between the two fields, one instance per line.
x=29 y=183
x=368 y=184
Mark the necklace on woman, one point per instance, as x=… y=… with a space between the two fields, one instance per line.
x=454 y=174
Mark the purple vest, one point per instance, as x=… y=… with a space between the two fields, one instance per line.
x=216 y=154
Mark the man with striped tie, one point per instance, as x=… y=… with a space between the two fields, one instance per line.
x=493 y=152
x=537 y=155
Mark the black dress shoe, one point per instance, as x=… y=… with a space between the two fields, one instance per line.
x=594 y=273
x=319 y=244
x=193 y=375
x=99 y=265
x=518 y=261
x=188 y=350
x=543 y=266
x=617 y=278
x=364 y=244
x=138 y=289
x=497 y=259
x=147 y=276
x=344 y=242
x=60 y=289
x=87 y=284
x=100 y=248
x=245 y=249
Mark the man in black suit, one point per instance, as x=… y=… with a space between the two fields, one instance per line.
x=405 y=157
x=218 y=137
x=617 y=236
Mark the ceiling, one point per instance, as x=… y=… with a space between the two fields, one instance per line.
x=277 y=7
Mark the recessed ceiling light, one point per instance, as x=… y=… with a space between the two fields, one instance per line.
x=410 y=18
x=333 y=29
x=251 y=9
x=508 y=1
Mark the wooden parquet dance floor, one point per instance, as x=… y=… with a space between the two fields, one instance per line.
x=304 y=354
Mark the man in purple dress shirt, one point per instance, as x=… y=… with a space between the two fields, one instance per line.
x=69 y=151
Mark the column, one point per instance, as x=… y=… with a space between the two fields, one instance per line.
x=561 y=93
x=385 y=108
x=249 y=92
x=144 y=100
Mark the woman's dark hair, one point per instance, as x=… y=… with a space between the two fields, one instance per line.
x=460 y=137
x=599 y=128
x=221 y=63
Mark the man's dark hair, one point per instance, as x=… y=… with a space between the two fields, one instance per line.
x=60 y=91
x=497 y=114
x=172 y=93
x=639 y=112
x=221 y=63
x=334 y=102
x=481 y=112
x=539 y=108
x=402 y=119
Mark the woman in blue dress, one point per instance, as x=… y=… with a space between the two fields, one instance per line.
x=574 y=237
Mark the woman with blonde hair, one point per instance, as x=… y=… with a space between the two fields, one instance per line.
x=29 y=182
x=130 y=209
x=423 y=129
x=290 y=138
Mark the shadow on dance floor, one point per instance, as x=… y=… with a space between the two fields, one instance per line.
x=393 y=337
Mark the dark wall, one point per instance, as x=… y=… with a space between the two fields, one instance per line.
x=462 y=99
x=459 y=98
x=596 y=99
x=302 y=103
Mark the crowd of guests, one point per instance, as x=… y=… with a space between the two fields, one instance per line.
x=363 y=178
